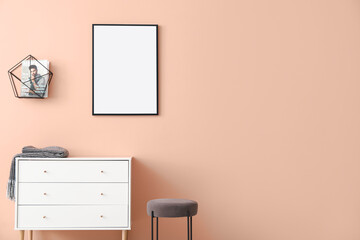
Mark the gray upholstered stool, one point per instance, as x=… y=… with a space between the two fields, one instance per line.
x=171 y=208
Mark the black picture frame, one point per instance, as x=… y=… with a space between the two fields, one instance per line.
x=94 y=113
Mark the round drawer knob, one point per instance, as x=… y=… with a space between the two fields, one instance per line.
x=102 y=194
x=102 y=171
x=101 y=216
x=44 y=193
x=44 y=216
x=45 y=171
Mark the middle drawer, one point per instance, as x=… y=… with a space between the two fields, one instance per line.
x=73 y=193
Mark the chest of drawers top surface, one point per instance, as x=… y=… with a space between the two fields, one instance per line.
x=78 y=159
x=96 y=190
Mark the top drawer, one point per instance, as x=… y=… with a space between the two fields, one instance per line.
x=73 y=171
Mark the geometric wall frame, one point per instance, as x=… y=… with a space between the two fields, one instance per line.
x=30 y=78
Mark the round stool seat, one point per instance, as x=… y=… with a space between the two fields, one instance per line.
x=170 y=207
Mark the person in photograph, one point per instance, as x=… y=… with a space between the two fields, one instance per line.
x=37 y=82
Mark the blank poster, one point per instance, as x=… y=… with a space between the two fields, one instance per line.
x=125 y=78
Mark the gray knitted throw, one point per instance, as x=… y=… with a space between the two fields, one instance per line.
x=32 y=152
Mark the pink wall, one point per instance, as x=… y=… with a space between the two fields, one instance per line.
x=259 y=112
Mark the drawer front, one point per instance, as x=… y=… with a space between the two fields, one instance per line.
x=73 y=193
x=73 y=171
x=72 y=216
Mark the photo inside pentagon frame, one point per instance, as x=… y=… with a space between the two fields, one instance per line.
x=34 y=78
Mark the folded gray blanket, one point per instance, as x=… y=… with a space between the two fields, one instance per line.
x=32 y=152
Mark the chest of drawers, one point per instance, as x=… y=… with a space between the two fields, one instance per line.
x=73 y=194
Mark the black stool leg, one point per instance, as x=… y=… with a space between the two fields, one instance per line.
x=152 y=225
x=188 y=233
x=157 y=228
x=190 y=228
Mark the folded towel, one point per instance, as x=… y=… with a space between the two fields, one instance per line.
x=32 y=152
x=52 y=151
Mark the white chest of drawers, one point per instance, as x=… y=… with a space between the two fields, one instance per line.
x=73 y=194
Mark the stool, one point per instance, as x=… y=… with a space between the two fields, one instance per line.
x=170 y=208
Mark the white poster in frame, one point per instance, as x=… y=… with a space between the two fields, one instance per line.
x=125 y=69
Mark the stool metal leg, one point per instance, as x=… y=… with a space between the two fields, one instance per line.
x=152 y=227
x=190 y=228
x=157 y=228
x=188 y=232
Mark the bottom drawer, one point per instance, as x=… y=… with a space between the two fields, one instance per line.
x=109 y=216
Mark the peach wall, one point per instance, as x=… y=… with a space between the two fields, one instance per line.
x=259 y=112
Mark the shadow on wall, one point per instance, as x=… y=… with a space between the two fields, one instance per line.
x=146 y=184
